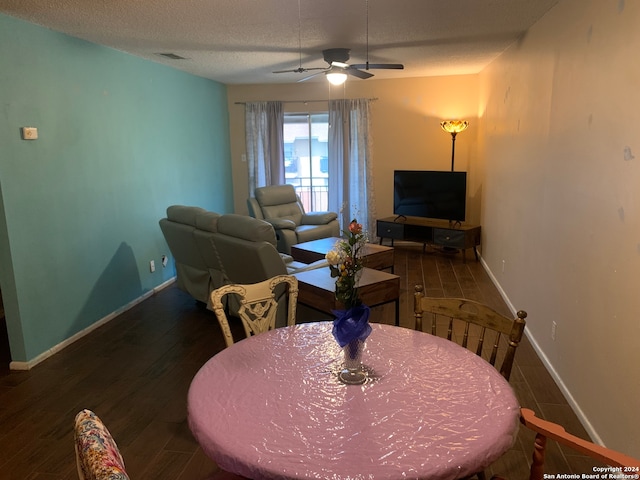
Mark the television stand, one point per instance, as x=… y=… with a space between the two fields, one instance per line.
x=443 y=233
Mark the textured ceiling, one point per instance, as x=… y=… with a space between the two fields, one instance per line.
x=243 y=41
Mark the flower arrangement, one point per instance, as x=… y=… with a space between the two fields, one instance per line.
x=345 y=262
x=351 y=326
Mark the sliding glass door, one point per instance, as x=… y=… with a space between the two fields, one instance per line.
x=305 y=157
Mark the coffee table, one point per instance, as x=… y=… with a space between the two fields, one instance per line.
x=316 y=289
x=378 y=257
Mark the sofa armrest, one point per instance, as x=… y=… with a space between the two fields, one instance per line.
x=282 y=223
x=318 y=218
x=254 y=208
x=286 y=258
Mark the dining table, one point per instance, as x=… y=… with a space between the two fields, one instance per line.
x=272 y=406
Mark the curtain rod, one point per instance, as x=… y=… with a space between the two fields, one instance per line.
x=302 y=101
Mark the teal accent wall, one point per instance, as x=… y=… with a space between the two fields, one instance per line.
x=120 y=139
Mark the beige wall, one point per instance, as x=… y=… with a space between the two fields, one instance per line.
x=561 y=205
x=405 y=123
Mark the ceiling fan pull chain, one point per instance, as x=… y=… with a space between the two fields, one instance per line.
x=367 y=15
x=299 y=35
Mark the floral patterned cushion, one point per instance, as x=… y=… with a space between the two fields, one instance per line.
x=97 y=453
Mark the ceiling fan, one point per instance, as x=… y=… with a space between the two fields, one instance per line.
x=337 y=59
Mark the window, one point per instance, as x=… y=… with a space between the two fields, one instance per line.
x=305 y=157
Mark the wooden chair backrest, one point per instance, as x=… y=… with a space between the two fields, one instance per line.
x=258 y=305
x=473 y=313
x=97 y=454
x=553 y=431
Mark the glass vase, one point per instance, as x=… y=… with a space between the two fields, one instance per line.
x=353 y=372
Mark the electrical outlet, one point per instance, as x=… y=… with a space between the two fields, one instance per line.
x=504 y=262
x=165 y=260
x=152 y=266
x=554 y=326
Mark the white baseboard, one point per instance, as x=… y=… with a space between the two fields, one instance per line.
x=565 y=391
x=548 y=365
x=65 y=343
x=494 y=280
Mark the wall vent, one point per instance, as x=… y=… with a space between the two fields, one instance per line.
x=172 y=56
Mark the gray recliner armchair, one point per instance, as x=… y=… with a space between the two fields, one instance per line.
x=281 y=207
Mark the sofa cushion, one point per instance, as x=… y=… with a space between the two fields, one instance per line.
x=282 y=224
x=318 y=218
x=247 y=261
x=247 y=228
x=307 y=233
x=207 y=221
x=286 y=211
x=276 y=195
x=184 y=214
x=280 y=201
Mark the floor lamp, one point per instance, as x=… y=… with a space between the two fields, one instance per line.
x=454 y=127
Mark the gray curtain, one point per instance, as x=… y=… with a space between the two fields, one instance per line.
x=350 y=165
x=264 y=125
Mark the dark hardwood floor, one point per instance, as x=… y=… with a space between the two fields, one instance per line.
x=134 y=373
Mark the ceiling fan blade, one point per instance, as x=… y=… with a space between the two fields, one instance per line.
x=358 y=73
x=299 y=70
x=311 y=76
x=387 y=66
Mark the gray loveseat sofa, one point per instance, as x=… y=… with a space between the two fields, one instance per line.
x=211 y=250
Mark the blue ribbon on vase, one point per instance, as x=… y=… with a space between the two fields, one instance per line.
x=351 y=324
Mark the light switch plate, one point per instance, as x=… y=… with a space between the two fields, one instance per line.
x=29 y=133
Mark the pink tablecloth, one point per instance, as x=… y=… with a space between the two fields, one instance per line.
x=271 y=406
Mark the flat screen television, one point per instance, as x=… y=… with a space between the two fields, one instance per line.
x=430 y=194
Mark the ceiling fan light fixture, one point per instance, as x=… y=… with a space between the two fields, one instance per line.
x=336 y=78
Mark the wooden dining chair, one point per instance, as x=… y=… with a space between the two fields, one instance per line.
x=97 y=455
x=258 y=304
x=548 y=430
x=468 y=322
